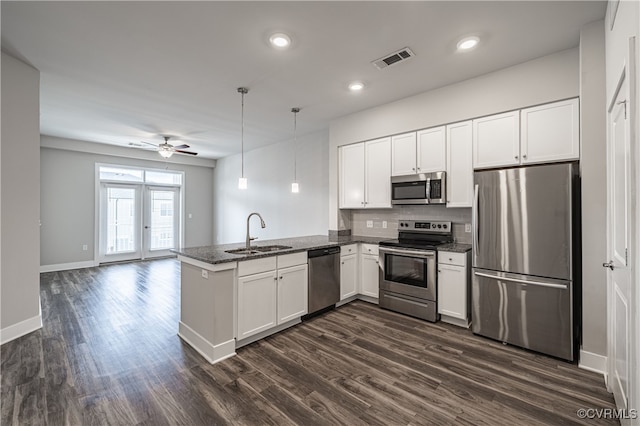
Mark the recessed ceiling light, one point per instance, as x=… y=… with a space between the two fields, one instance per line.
x=356 y=86
x=468 y=43
x=280 y=40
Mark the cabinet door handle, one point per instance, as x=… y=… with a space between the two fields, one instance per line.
x=516 y=157
x=413 y=168
x=275 y=278
x=524 y=155
x=343 y=263
x=280 y=277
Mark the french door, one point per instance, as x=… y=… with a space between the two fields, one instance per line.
x=138 y=221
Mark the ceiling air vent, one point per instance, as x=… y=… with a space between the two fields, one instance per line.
x=393 y=58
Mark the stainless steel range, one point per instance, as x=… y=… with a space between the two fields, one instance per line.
x=408 y=274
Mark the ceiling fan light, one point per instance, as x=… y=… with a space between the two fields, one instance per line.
x=242 y=183
x=166 y=153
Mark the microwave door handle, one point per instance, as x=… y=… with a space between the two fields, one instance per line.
x=428 y=189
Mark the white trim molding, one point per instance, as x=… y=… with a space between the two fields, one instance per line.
x=67 y=266
x=20 y=329
x=212 y=353
x=593 y=362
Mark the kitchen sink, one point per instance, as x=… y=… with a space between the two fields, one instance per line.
x=242 y=251
x=270 y=248
x=257 y=249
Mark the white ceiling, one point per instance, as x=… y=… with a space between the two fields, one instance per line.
x=121 y=72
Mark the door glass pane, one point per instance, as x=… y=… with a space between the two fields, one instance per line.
x=163 y=178
x=121 y=217
x=162 y=220
x=120 y=174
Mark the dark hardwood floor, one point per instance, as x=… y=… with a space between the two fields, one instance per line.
x=109 y=354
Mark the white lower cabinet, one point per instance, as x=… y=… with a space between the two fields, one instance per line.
x=271 y=291
x=257 y=303
x=292 y=293
x=369 y=270
x=453 y=287
x=348 y=275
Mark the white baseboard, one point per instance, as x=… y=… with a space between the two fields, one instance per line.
x=593 y=362
x=67 y=266
x=14 y=331
x=454 y=321
x=269 y=332
x=212 y=353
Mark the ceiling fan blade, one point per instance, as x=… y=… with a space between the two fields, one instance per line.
x=185 y=152
x=183 y=146
x=149 y=143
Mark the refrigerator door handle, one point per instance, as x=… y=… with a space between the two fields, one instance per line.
x=516 y=280
x=474 y=220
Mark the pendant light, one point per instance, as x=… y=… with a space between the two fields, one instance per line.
x=295 y=188
x=242 y=182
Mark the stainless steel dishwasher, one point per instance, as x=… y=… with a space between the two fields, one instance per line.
x=324 y=279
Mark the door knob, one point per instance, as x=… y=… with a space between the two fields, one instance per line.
x=147 y=227
x=608 y=265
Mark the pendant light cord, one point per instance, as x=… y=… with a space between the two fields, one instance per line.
x=295 y=112
x=243 y=91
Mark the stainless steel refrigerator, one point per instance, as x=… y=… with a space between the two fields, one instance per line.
x=526 y=251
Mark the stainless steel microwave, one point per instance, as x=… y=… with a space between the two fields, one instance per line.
x=423 y=188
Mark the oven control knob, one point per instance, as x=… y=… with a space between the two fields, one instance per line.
x=444 y=226
x=439 y=226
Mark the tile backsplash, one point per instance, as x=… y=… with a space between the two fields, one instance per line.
x=458 y=217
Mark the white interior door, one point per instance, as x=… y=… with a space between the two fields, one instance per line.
x=120 y=219
x=161 y=221
x=620 y=219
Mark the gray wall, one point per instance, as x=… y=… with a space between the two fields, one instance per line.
x=20 y=189
x=535 y=82
x=68 y=201
x=269 y=171
x=546 y=79
x=594 y=180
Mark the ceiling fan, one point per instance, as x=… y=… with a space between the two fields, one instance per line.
x=166 y=150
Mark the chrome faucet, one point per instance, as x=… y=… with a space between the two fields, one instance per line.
x=250 y=238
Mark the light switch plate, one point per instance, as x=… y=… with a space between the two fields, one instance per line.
x=205 y=274
x=384 y=224
x=467 y=227
x=369 y=224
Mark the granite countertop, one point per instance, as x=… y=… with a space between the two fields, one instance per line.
x=455 y=247
x=216 y=254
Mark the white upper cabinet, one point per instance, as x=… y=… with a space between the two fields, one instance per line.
x=496 y=140
x=365 y=174
x=459 y=164
x=403 y=154
x=418 y=152
x=352 y=176
x=377 y=173
x=551 y=132
x=431 y=150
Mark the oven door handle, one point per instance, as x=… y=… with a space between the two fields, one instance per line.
x=425 y=253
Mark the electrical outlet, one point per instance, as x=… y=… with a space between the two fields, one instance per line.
x=467 y=227
x=369 y=224
x=384 y=224
x=205 y=274
x=85 y=247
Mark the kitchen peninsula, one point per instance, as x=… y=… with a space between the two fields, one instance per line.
x=229 y=300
